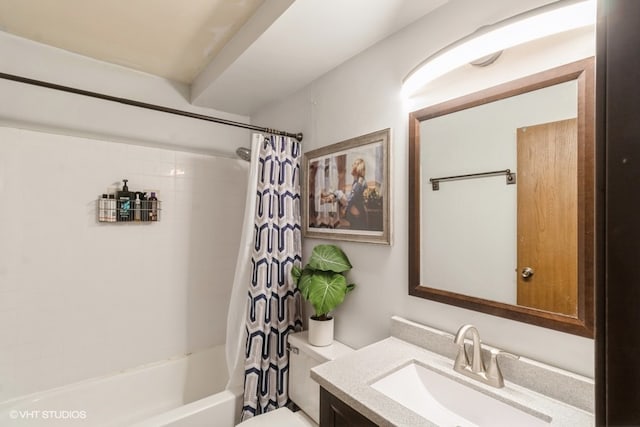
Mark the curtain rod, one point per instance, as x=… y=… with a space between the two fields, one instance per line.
x=148 y=106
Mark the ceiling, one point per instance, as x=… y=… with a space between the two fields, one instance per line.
x=237 y=55
x=168 y=38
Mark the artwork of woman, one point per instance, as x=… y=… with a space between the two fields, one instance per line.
x=353 y=202
x=347 y=190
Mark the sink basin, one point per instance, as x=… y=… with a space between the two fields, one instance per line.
x=445 y=402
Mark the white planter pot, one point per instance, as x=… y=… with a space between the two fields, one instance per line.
x=320 y=332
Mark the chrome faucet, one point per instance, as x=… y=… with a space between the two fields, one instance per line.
x=475 y=368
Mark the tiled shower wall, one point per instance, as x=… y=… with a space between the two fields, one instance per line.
x=80 y=298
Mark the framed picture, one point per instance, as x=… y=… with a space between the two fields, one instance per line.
x=346 y=190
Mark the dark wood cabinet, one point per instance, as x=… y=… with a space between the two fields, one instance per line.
x=335 y=413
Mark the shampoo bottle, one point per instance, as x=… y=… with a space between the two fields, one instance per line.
x=112 y=211
x=153 y=207
x=103 y=208
x=144 y=205
x=137 y=207
x=124 y=200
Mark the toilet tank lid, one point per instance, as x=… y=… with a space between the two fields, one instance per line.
x=300 y=340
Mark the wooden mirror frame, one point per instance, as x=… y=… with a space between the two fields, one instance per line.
x=583 y=323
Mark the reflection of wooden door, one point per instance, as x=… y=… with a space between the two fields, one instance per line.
x=548 y=216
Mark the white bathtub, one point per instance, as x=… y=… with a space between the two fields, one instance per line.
x=185 y=391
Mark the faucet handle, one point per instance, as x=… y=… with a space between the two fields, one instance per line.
x=494 y=374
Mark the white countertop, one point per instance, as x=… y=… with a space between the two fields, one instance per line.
x=349 y=379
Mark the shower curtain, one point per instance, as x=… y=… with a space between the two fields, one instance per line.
x=236 y=329
x=273 y=306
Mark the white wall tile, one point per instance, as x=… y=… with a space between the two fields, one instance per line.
x=80 y=298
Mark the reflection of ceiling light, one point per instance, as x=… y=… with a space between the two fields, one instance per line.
x=534 y=24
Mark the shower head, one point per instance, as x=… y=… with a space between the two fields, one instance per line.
x=244 y=153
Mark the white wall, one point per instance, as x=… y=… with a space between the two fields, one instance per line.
x=80 y=298
x=363 y=95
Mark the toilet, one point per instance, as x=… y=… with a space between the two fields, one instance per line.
x=303 y=391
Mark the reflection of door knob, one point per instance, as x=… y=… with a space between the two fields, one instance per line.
x=527 y=272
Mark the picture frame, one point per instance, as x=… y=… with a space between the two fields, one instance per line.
x=346 y=190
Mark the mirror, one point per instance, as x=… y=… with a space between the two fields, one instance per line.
x=501 y=200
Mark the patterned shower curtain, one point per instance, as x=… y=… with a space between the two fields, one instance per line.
x=274 y=306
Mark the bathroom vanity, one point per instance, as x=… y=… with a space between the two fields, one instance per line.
x=334 y=412
x=408 y=379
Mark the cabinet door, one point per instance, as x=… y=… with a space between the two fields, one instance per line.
x=335 y=413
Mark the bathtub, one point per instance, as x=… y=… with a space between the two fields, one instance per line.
x=184 y=391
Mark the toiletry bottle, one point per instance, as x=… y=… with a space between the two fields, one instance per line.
x=144 y=206
x=136 y=207
x=153 y=207
x=103 y=205
x=125 y=202
x=112 y=211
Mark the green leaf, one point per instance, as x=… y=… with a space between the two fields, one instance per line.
x=322 y=281
x=329 y=258
x=325 y=291
x=304 y=283
x=296 y=272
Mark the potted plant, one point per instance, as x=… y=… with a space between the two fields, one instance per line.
x=322 y=282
